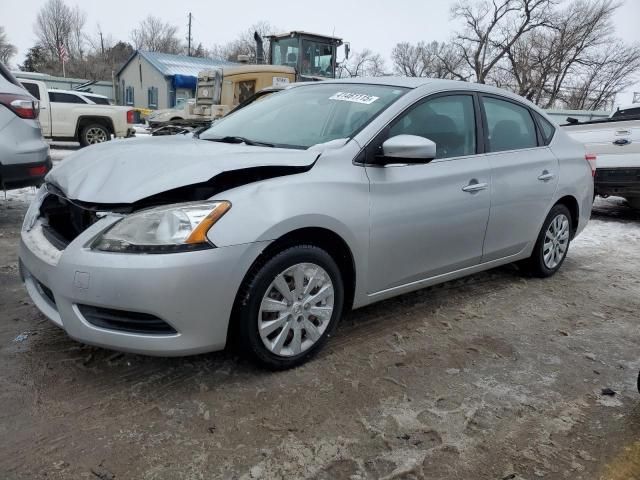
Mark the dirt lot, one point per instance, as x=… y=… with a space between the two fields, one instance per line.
x=493 y=377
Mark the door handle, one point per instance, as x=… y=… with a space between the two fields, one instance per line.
x=622 y=142
x=546 y=176
x=474 y=187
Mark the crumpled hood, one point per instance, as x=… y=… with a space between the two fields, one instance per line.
x=125 y=171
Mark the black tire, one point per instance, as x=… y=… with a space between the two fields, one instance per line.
x=254 y=288
x=535 y=264
x=90 y=133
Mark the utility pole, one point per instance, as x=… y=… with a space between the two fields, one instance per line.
x=101 y=43
x=189 y=37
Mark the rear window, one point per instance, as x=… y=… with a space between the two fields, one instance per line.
x=99 y=100
x=627 y=112
x=33 y=89
x=59 y=97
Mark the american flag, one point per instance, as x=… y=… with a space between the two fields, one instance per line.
x=62 y=52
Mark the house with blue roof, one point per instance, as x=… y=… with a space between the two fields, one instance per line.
x=160 y=80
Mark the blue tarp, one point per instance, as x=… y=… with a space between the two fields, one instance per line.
x=185 y=81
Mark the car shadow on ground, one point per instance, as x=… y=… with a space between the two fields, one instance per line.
x=48 y=348
x=614 y=208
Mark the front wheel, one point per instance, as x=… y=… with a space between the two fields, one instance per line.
x=552 y=244
x=289 y=306
x=94 y=133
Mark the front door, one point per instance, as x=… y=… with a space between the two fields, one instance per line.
x=429 y=219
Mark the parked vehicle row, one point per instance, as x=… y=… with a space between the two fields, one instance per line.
x=24 y=155
x=317 y=199
x=78 y=116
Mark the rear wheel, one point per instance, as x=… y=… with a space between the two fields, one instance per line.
x=552 y=244
x=289 y=306
x=94 y=133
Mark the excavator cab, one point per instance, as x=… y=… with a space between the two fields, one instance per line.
x=312 y=55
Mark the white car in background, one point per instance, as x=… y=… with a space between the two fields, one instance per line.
x=616 y=143
x=180 y=112
x=78 y=116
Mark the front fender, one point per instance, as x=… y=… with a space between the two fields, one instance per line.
x=333 y=195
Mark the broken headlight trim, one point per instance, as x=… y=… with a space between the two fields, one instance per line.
x=33 y=213
x=179 y=227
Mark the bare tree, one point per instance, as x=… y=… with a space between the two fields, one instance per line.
x=408 y=59
x=602 y=75
x=58 y=24
x=362 y=64
x=244 y=44
x=492 y=27
x=7 y=50
x=575 y=62
x=433 y=59
x=154 y=35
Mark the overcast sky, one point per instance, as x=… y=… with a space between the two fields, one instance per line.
x=374 y=24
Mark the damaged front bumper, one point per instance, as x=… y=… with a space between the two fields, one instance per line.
x=156 y=304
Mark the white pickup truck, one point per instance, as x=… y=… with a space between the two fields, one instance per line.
x=616 y=143
x=72 y=116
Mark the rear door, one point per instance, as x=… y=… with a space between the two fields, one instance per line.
x=524 y=175
x=63 y=113
x=429 y=219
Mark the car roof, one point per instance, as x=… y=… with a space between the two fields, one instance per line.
x=428 y=85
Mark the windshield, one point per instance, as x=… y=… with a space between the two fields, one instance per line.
x=304 y=116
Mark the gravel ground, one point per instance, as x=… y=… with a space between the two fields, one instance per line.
x=492 y=377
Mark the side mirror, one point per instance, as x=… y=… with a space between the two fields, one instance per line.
x=407 y=149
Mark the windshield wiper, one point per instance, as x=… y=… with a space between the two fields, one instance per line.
x=237 y=139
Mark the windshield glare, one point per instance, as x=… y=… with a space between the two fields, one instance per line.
x=308 y=115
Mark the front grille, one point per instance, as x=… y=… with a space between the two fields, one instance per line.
x=125 y=321
x=64 y=220
x=618 y=176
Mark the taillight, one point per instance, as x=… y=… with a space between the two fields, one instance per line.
x=591 y=159
x=23 y=106
x=131 y=116
x=38 y=171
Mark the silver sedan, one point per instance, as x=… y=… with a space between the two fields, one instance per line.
x=318 y=199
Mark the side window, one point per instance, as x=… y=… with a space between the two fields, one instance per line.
x=152 y=97
x=510 y=125
x=547 y=128
x=33 y=89
x=448 y=121
x=128 y=96
x=629 y=112
x=59 y=97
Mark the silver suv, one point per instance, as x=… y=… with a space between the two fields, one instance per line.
x=321 y=198
x=24 y=155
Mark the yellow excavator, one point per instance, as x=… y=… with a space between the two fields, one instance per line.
x=294 y=56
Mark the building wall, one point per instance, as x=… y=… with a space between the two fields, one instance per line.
x=141 y=75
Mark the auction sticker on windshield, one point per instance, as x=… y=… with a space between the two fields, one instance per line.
x=354 y=97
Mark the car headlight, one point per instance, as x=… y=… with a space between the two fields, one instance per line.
x=171 y=228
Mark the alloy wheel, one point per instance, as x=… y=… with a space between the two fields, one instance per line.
x=96 y=135
x=556 y=241
x=296 y=309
